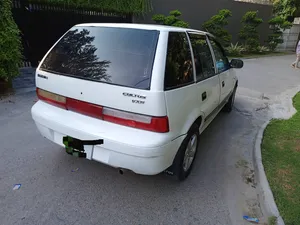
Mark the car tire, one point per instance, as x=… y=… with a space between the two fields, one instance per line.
x=185 y=157
x=229 y=105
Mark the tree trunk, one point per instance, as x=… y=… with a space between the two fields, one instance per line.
x=5 y=86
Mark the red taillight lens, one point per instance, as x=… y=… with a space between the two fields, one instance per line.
x=84 y=108
x=155 y=124
x=51 y=98
x=160 y=124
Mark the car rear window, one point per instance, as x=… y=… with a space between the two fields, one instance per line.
x=120 y=56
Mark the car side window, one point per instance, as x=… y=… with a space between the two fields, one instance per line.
x=204 y=63
x=222 y=62
x=179 y=66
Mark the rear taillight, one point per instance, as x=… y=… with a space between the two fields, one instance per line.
x=84 y=108
x=155 y=124
x=51 y=98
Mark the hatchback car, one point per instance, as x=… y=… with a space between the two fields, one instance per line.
x=133 y=96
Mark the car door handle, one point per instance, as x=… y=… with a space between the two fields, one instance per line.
x=204 y=95
x=223 y=83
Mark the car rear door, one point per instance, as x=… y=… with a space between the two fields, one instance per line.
x=223 y=69
x=208 y=83
x=179 y=83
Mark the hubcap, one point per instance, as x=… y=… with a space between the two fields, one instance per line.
x=190 y=152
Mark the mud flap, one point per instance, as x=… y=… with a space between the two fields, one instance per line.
x=169 y=171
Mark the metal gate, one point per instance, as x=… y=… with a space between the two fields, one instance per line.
x=41 y=24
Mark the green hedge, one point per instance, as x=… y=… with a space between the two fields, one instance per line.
x=121 y=6
x=10 y=43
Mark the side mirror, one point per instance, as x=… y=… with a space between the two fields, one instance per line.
x=237 y=63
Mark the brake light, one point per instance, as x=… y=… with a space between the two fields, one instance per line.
x=84 y=108
x=51 y=98
x=155 y=124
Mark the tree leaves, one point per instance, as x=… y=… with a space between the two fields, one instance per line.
x=215 y=25
x=121 y=6
x=10 y=43
x=171 y=20
x=286 y=8
x=249 y=34
x=277 y=24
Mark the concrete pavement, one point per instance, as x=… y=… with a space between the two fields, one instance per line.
x=26 y=79
x=220 y=190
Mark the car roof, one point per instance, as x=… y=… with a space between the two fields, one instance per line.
x=141 y=26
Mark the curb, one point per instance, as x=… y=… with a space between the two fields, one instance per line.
x=267 y=195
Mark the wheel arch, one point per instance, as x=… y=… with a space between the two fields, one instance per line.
x=194 y=118
x=198 y=121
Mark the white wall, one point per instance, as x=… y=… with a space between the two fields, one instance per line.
x=290 y=38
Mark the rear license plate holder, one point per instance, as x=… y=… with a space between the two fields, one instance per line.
x=76 y=147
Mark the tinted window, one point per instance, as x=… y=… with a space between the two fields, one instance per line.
x=179 y=66
x=222 y=62
x=114 y=55
x=204 y=63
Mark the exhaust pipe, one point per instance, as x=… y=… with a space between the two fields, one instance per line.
x=121 y=171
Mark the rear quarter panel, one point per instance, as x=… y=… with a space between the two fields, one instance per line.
x=183 y=108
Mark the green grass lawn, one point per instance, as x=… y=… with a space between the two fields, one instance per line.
x=281 y=159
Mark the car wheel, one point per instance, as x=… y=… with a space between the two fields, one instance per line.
x=186 y=154
x=229 y=105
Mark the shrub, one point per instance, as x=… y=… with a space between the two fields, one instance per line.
x=215 y=25
x=171 y=20
x=249 y=34
x=136 y=7
x=277 y=25
x=262 y=49
x=10 y=43
x=235 y=50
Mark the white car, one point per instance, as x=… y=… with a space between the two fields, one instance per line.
x=133 y=96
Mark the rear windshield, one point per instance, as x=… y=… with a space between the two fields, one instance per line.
x=120 y=56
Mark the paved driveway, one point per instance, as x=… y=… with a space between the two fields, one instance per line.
x=219 y=191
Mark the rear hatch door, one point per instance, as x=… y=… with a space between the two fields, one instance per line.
x=106 y=66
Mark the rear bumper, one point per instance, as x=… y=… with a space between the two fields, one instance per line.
x=142 y=152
